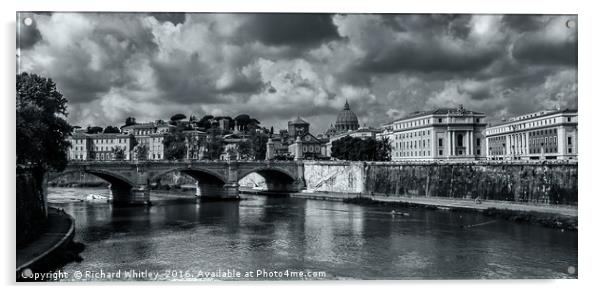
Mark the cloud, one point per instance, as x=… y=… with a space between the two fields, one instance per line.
x=173 y=17
x=554 y=43
x=277 y=66
x=415 y=43
x=286 y=29
x=28 y=35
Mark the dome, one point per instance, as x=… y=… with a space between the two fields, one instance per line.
x=346 y=120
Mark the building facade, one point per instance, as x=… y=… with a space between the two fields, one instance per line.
x=109 y=146
x=548 y=134
x=440 y=134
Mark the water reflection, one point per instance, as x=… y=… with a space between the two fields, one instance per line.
x=345 y=241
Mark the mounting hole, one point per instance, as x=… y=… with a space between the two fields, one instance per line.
x=28 y=21
x=571 y=24
x=571 y=270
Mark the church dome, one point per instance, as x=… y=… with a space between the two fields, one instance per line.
x=346 y=120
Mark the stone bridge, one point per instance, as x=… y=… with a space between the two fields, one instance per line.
x=130 y=181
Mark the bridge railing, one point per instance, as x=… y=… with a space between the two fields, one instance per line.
x=88 y=162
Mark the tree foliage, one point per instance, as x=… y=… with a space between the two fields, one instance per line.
x=177 y=117
x=358 y=149
x=141 y=152
x=118 y=153
x=245 y=149
x=130 y=121
x=42 y=130
x=94 y=130
x=259 y=142
x=111 y=130
x=215 y=145
x=174 y=144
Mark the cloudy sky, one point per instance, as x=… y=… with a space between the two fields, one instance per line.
x=277 y=66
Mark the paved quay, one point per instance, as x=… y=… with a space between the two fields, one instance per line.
x=60 y=230
x=563 y=210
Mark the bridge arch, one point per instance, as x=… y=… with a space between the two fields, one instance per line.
x=209 y=183
x=276 y=179
x=199 y=174
x=115 y=179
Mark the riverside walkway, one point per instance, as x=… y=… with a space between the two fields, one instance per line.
x=60 y=231
x=563 y=210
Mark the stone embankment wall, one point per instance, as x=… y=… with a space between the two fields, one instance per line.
x=31 y=204
x=333 y=176
x=545 y=183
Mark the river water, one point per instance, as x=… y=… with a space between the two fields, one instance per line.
x=179 y=238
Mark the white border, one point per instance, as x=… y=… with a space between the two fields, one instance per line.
x=589 y=105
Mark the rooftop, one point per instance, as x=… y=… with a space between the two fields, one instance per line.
x=532 y=115
x=298 y=121
x=438 y=111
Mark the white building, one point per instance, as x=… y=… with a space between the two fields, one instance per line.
x=548 y=134
x=440 y=134
x=99 y=146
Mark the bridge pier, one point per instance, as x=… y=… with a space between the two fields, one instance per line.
x=129 y=195
x=231 y=191
x=214 y=191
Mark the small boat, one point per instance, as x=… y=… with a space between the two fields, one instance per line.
x=394 y=213
x=96 y=197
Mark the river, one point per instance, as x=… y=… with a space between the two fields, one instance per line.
x=178 y=238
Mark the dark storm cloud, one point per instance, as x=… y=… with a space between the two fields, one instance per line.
x=534 y=49
x=425 y=57
x=285 y=29
x=278 y=66
x=455 y=25
x=523 y=23
x=184 y=78
x=173 y=17
x=27 y=35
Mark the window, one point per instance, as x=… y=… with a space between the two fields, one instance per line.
x=570 y=141
x=440 y=120
x=569 y=119
x=478 y=141
x=440 y=152
x=440 y=142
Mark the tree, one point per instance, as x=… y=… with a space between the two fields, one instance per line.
x=42 y=130
x=174 y=144
x=111 y=130
x=205 y=122
x=245 y=149
x=94 y=130
x=369 y=149
x=118 y=153
x=214 y=145
x=383 y=150
x=177 y=117
x=259 y=142
x=130 y=121
x=141 y=152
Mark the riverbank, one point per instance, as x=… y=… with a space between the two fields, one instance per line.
x=562 y=217
x=53 y=247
